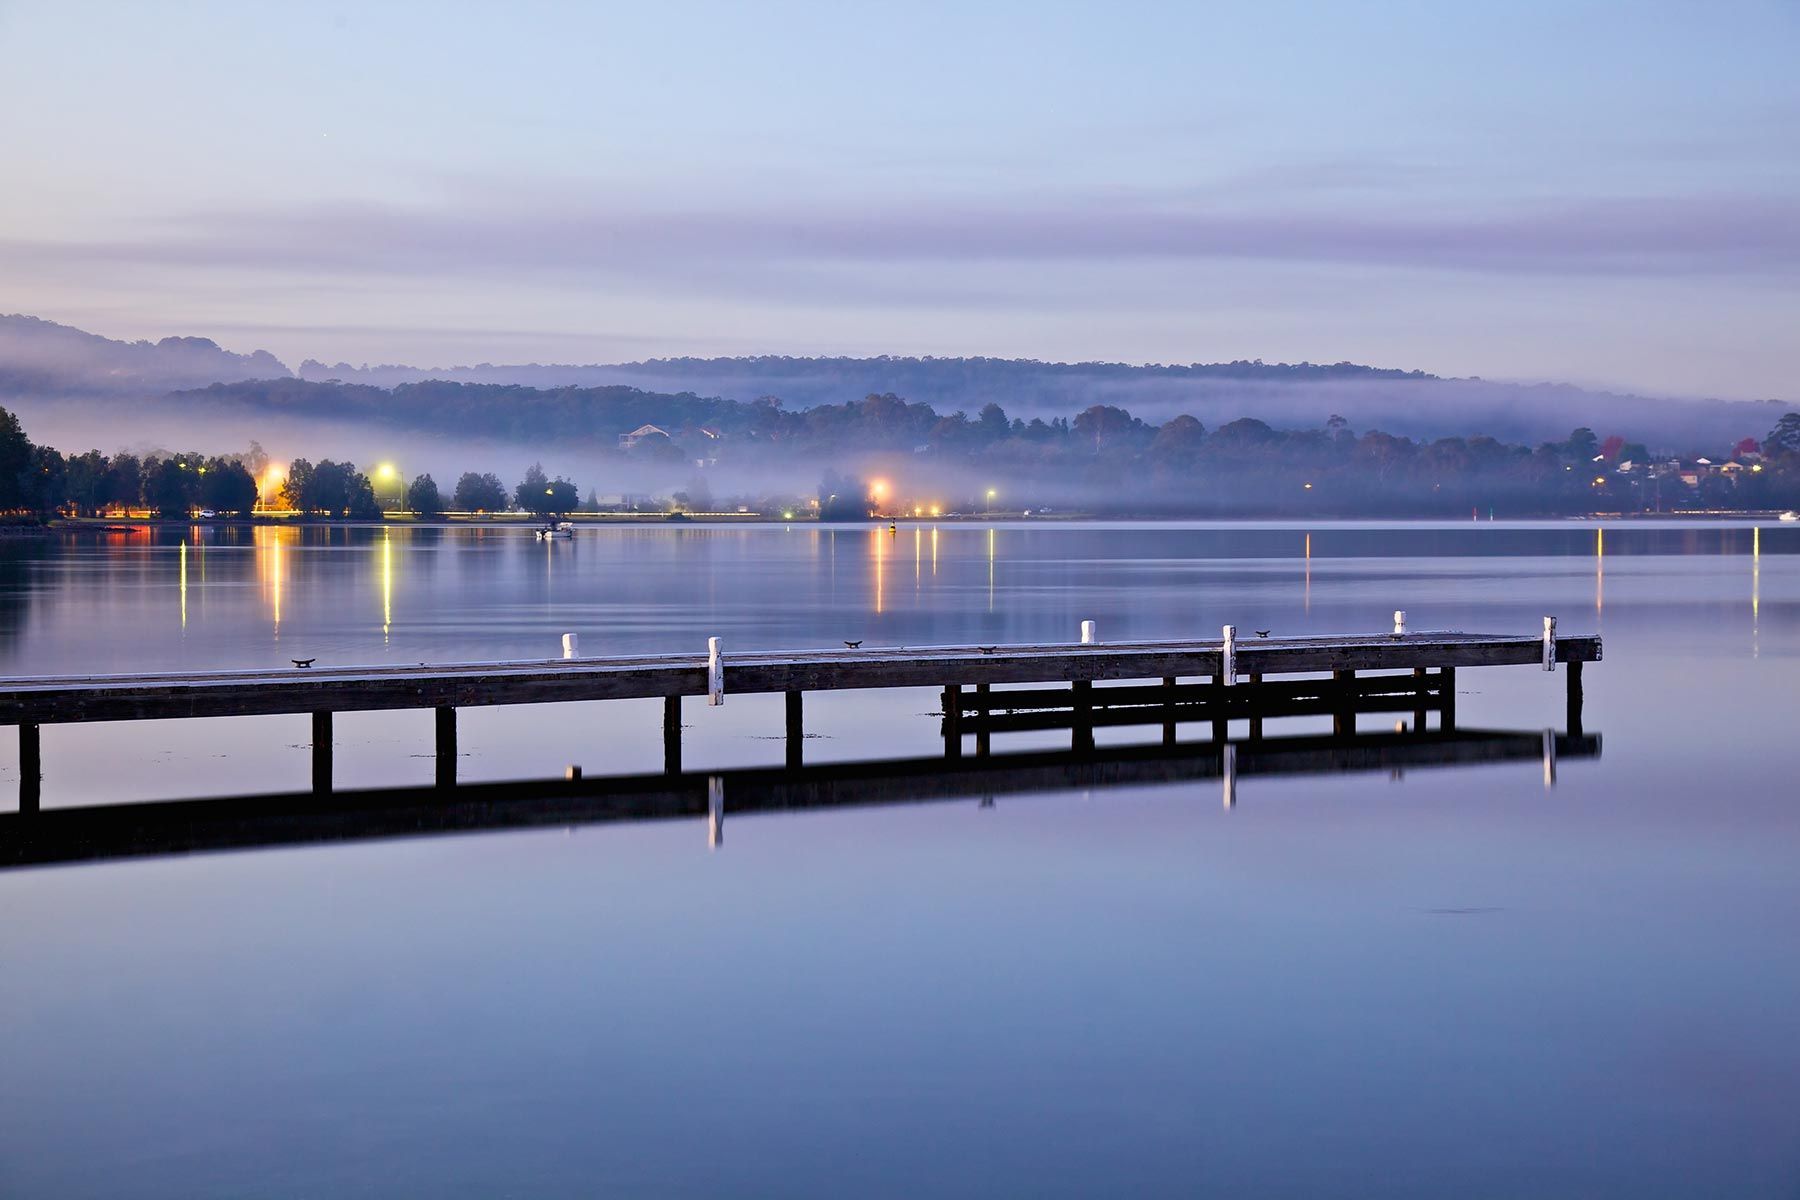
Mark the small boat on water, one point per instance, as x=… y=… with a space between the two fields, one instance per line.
x=1789 y=515
x=562 y=529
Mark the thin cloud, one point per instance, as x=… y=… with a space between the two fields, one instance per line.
x=805 y=246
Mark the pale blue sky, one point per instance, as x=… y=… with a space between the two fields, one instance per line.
x=1608 y=193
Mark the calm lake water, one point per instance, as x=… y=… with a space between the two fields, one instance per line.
x=1454 y=982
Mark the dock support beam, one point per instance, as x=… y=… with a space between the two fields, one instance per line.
x=321 y=751
x=1447 y=682
x=446 y=747
x=1343 y=713
x=1256 y=721
x=1420 y=707
x=796 y=730
x=672 y=735
x=31 y=769
x=1168 y=729
x=1081 y=736
x=1573 y=668
x=953 y=721
x=983 y=701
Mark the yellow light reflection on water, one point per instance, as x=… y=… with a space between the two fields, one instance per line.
x=387 y=585
x=990 y=569
x=918 y=557
x=184 y=584
x=880 y=573
x=269 y=545
x=1755 y=589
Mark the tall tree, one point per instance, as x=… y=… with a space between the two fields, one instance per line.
x=480 y=493
x=534 y=493
x=1784 y=439
x=124 y=481
x=228 y=487
x=170 y=489
x=16 y=488
x=423 y=498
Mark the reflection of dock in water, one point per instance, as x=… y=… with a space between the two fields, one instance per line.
x=79 y=834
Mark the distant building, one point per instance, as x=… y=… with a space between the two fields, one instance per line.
x=628 y=440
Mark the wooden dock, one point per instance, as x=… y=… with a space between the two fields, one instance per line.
x=98 y=832
x=1416 y=672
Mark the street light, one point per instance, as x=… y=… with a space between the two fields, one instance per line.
x=388 y=474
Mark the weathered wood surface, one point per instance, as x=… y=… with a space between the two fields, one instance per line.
x=76 y=834
x=1231 y=708
x=1246 y=695
x=62 y=699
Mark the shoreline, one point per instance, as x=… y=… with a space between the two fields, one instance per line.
x=520 y=521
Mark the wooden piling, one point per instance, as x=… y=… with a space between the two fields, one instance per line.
x=1420 y=708
x=446 y=747
x=1221 y=726
x=796 y=730
x=672 y=735
x=31 y=769
x=1256 y=721
x=1081 y=736
x=983 y=735
x=1168 y=729
x=953 y=721
x=1573 y=670
x=321 y=751
x=1343 y=716
x=1447 y=682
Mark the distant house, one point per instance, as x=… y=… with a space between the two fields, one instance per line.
x=629 y=440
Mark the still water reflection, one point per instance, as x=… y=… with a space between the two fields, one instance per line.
x=1451 y=983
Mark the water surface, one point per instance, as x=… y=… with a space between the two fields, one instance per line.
x=1449 y=983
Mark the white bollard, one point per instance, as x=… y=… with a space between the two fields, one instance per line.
x=1228 y=657
x=1549 y=643
x=1399 y=621
x=715 y=672
x=571 y=645
x=1088 y=637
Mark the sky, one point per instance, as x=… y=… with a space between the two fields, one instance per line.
x=1602 y=193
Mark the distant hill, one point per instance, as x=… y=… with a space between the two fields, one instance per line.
x=42 y=358
x=42 y=361
x=1300 y=395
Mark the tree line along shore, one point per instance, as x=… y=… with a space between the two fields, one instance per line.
x=891 y=458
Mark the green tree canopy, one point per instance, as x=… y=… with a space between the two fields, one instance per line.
x=423 y=498
x=480 y=493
